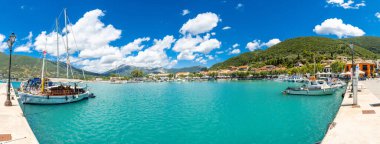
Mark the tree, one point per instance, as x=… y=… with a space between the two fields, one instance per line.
x=337 y=66
x=212 y=74
x=137 y=73
x=171 y=76
x=113 y=75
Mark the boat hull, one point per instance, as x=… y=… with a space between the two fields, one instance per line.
x=328 y=91
x=27 y=98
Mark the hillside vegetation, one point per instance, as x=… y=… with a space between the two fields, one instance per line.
x=291 y=51
x=26 y=67
x=370 y=43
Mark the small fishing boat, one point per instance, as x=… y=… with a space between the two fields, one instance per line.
x=311 y=88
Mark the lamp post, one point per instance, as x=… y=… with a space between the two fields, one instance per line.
x=352 y=66
x=11 y=40
x=354 y=78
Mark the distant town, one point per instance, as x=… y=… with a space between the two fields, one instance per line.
x=341 y=67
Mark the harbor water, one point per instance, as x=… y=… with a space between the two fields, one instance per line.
x=187 y=112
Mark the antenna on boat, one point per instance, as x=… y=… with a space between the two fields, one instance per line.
x=56 y=27
x=67 y=46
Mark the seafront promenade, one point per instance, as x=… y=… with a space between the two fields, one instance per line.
x=13 y=124
x=359 y=124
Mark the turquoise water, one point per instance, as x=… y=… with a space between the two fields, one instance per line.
x=196 y=112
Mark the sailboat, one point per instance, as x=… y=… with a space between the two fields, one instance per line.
x=44 y=91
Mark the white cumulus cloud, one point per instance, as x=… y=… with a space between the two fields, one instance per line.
x=154 y=56
x=235 y=45
x=349 y=4
x=226 y=28
x=196 y=41
x=3 y=43
x=257 y=44
x=254 y=45
x=185 y=12
x=235 y=51
x=335 y=26
x=272 y=42
x=239 y=5
x=202 y=23
x=26 y=47
x=188 y=45
x=134 y=46
x=377 y=15
x=87 y=33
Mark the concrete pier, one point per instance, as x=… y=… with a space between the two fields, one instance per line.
x=357 y=124
x=13 y=124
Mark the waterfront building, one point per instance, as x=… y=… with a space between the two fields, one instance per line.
x=232 y=68
x=342 y=58
x=114 y=79
x=243 y=68
x=367 y=66
x=327 y=69
x=224 y=73
x=163 y=76
x=182 y=74
x=298 y=64
x=327 y=62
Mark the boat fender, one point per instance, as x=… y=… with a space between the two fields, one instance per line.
x=66 y=98
x=73 y=96
x=48 y=97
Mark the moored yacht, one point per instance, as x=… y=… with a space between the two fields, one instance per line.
x=317 y=87
x=37 y=91
x=44 y=91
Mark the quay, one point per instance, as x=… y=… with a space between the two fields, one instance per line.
x=357 y=124
x=14 y=128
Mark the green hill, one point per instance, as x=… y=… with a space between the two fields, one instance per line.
x=301 y=49
x=26 y=67
x=370 y=43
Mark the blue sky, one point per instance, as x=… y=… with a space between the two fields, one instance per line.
x=212 y=28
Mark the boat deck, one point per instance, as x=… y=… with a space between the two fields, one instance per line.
x=13 y=125
x=358 y=124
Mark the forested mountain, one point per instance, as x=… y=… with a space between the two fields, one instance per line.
x=26 y=67
x=301 y=49
x=370 y=43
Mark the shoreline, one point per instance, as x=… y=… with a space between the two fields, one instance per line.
x=13 y=122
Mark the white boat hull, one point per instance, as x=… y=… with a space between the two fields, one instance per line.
x=27 y=98
x=328 y=91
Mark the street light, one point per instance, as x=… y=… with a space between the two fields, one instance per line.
x=354 y=79
x=352 y=66
x=10 y=42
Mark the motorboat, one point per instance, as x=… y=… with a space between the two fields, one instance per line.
x=317 y=87
x=338 y=84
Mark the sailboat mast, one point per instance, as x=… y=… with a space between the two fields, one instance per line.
x=43 y=70
x=67 y=46
x=56 y=27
